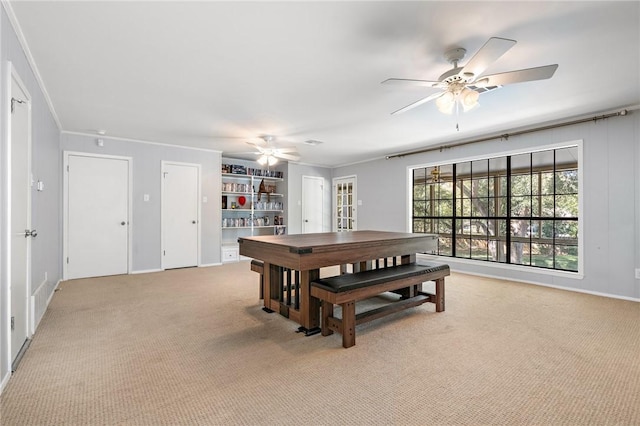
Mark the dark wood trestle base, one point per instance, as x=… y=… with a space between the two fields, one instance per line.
x=284 y=291
x=347 y=289
x=258 y=266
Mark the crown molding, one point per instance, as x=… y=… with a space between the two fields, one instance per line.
x=31 y=61
x=121 y=139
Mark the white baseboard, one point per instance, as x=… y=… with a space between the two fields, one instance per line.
x=4 y=381
x=146 y=271
x=40 y=300
x=206 y=265
x=558 y=287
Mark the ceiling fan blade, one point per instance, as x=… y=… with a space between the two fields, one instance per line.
x=285 y=150
x=418 y=103
x=407 y=81
x=520 y=76
x=245 y=153
x=488 y=54
x=286 y=156
x=256 y=146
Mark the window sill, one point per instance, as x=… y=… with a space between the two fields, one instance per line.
x=502 y=266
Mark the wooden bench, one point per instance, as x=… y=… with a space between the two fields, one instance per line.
x=345 y=290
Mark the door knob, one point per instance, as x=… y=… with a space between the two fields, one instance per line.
x=193 y=221
x=123 y=223
x=30 y=233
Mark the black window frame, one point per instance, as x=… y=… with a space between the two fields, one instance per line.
x=506 y=212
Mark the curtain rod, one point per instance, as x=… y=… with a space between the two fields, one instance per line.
x=506 y=136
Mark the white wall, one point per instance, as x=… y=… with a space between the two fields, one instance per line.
x=147 y=161
x=611 y=188
x=45 y=205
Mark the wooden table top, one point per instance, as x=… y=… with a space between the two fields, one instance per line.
x=307 y=243
x=333 y=247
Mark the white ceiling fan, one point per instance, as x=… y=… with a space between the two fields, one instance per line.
x=462 y=86
x=270 y=154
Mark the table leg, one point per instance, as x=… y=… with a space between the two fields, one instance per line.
x=272 y=285
x=266 y=285
x=408 y=292
x=440 y=295
x=309 y=306
x=408 y=258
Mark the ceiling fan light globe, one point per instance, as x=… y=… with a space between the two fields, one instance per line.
x=446 y=109
x=262 y=160
x=469 y=99
x=469 y=108
x=272 y=160
x=447 y=97
x=445 y=103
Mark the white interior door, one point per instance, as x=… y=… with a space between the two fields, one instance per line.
x=20 y=211
x=312 y=204
x=98 y=216
x=344 y=208
x=180 y=214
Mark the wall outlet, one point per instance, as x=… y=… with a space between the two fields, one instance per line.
x=46 y=276
x=637 y=273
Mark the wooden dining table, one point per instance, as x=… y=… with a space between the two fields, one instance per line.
x=307 y=253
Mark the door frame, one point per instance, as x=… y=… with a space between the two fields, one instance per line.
x=198 y=166
x=65 y=205
x=5 y=289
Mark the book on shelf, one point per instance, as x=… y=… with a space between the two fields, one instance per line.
x=237 y=169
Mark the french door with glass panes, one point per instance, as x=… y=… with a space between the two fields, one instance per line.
x=344 y=210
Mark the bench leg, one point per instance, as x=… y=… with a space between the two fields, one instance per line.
x=440 y=295
x=348 y=324
x=327 y=312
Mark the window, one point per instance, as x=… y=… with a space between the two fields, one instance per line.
x=516 y=209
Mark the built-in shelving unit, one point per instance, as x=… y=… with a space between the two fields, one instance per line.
x=252 y=204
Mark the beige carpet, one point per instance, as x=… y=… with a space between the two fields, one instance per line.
x=193 y=347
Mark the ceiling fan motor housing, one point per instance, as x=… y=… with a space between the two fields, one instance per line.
x=452 y=76
x=453 y=56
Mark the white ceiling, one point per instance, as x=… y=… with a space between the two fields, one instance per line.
x=217 y=74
